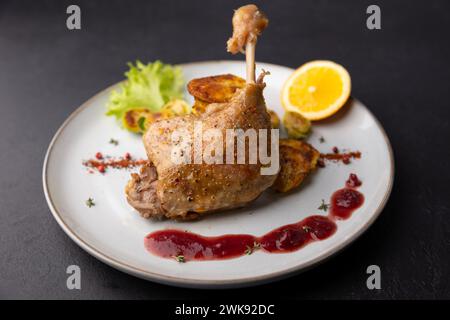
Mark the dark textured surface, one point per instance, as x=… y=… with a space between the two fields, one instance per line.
x=401 y=72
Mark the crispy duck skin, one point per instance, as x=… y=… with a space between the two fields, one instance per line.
x=185 y=191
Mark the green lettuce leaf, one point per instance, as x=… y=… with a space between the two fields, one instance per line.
x=148 y=86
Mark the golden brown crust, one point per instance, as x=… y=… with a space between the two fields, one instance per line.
x=297 y=160
x=215 y=89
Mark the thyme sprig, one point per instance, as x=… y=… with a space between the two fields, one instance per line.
x=324 y=206
x=90 y=202
x=251 y=249
x=179 y=258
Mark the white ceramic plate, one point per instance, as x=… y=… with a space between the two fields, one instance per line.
x=114 y=233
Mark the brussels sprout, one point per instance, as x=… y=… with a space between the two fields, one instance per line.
x=297 y=126
x=174 y=108
x=274 y=120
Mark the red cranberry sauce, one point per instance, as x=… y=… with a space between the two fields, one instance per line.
x=173 y=243
x=353 y=181
x=294 y=236
x=346 y=200
x=185 y=246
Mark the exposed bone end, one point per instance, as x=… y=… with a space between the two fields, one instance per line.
x=248 y=23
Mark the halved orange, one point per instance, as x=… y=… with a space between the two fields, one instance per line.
x=317 y=89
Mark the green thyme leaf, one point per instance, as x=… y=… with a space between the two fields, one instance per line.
x=323 y=206
x=90 y=202
x=179 y=258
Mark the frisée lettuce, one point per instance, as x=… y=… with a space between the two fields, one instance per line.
x=148 y=86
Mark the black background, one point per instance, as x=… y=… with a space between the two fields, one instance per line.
x=401 y=72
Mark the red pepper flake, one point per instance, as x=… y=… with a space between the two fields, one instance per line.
x=110 y=162
x=344 y=157
x=335 y=150
x=346 y=160
x=99 y=156
x=127 y=156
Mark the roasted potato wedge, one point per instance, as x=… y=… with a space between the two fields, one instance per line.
x=215 y=89
x=297 y=160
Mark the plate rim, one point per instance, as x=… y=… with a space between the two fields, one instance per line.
x=198 y=283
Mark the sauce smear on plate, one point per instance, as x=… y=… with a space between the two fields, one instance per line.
x=187 y=246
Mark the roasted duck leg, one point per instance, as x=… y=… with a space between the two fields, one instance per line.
x=165 y=188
